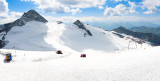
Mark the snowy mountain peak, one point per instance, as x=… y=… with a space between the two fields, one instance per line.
x=80 y=25
x=32 y=15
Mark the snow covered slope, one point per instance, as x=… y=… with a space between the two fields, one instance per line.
x=34 y=59
x=33 y=47
x=38 y=36
x=133 y=65
x=29 y=37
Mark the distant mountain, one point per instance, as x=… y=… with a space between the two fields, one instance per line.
x=110 y=25
x=32 y=33
x=145 y=29
x=154 y=39
x=31 y=15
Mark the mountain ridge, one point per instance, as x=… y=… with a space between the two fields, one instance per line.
x=31 y=15
x=154 y=39
x=145 y=29
x=82 y=26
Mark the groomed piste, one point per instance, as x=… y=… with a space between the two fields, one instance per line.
x=34 y=45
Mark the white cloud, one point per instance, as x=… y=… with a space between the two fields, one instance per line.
x=71 y=19
x=3 y=8
x=5 y=15
x=16 y=14
x=120 y=0
x=74 y=11
x=100 y=7
x=121 y=9
x=132 y=8
x=87 y=3
x=117 y=11
x=11 y=17
x=148 y=12
x=151 y=5
x=61 y=6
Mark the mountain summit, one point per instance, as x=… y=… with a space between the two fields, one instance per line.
x=80 y=24
x=31 y=15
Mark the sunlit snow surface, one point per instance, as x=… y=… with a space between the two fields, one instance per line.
x=33 y=48
x=37 y=36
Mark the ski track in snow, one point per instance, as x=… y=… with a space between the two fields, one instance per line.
x=101 y=63
x=133 y=65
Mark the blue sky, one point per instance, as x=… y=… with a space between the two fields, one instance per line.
x=89 y=10
x=23 y=6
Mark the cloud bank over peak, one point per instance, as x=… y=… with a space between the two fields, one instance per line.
x=3 y=8
x=120 y=0
x=75 y=6
x=120 y=9
x=151 y=5
x=61 y=6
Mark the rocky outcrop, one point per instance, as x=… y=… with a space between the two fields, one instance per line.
x=80 y=25
x=59 y=22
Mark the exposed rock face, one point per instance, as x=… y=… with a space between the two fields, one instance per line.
x=154 y=39
x=2 y=44
x=59 y=22
x=31 y=15
x=82 y=26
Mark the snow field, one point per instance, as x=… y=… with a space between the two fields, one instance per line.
x=133 y=65
x=33 y=47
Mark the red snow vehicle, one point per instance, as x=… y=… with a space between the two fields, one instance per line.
x=83 y=55
x=59 y=52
